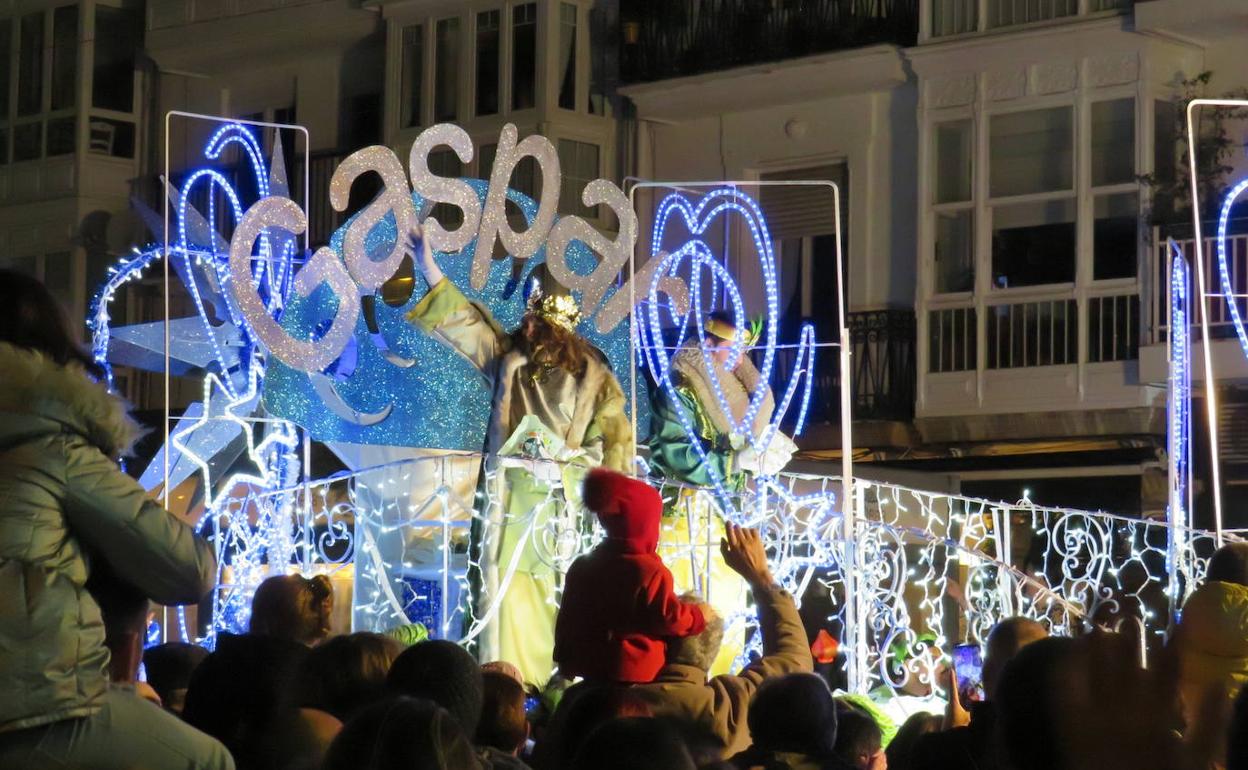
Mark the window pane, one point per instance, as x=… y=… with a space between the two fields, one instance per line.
x=1115 y=232
x=413 y=73
x=485 y=160
x=598 y=51
x=446 y=163
x=117 y=37
x=953 y=17
x=955 y=251
x=30 y=65
x=111 y=137
x=1031 y=152
x=64 y=57
x=1033 y=243
x=446 y=69
x=61 y=136
x=1113 y=141
x=527 y=177
x=28 y=141
x=579 y=164
x=567 y=56
x=1007 y=12
x=954 y=150
x=6 y=51
x=487 y=62
x=1166 y=119
x=524 y=56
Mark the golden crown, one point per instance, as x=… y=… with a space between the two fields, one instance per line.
x=558 y=309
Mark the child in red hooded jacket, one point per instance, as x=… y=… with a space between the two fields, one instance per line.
x=618 y=602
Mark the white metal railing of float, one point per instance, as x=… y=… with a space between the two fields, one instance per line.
x=930 y=569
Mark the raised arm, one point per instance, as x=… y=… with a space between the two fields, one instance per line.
x=447 y=315
x=786 y=648
x=422 y=253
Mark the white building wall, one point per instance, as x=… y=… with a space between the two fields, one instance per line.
x=872 y=132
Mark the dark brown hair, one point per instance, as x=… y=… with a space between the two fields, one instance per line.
x=551 y=345
x=31 y=318
x=503 y=722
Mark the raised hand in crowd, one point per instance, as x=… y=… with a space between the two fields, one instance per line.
x=743 y=552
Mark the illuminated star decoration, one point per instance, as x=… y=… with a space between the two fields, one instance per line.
x=247 y=513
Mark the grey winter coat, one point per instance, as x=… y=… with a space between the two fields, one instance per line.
x=64 y=502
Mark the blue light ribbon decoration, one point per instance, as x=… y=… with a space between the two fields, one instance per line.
x=700 y=259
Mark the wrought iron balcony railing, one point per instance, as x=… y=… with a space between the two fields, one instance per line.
x=663 y=39
x=883 y=373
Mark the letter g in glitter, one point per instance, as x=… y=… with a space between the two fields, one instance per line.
x=323 y=267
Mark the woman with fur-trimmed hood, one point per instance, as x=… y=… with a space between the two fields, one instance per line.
x=554 y=396
x=69 y=514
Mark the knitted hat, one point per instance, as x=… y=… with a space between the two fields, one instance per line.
x=444 y=673
x=628 y=509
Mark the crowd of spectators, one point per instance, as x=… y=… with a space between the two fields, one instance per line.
x=83 y=550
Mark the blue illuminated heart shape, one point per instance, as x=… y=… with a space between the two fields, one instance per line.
x=697 y=219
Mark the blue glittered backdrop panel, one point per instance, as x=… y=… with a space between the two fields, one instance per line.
x=441 y=401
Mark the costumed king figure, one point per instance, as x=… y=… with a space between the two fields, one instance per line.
x=690 y=523
x=554 y=398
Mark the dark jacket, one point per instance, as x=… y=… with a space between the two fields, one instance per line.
x=973 y=747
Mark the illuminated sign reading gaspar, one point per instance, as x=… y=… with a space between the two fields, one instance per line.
x=363 y=270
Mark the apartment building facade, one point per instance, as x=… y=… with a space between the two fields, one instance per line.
x=1001 y=275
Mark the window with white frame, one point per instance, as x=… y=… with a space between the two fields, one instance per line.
x=956 y=17
x=524 y=56
x=488 y=62
x=954 y=207
x=118 y=38
x=43 y=120
x=412 y=76
x=567 y=56
x=1036 y=193
x=580 y=165
x=1115 y=191
x=446 y=71
x=41 y=50
x=1002 y=13
x=1031 y=195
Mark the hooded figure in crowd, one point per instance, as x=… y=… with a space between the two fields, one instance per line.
x=618 y=603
